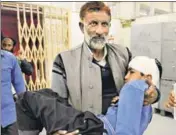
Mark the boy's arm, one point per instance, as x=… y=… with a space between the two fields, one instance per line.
x=130 y=107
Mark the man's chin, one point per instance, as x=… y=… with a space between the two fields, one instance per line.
x=97 y=47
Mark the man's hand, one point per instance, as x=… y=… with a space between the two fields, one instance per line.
x=151 y=94
x=114 y=100
x=64 y=132
x=172 y=100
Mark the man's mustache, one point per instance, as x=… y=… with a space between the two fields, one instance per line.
x=98 y=38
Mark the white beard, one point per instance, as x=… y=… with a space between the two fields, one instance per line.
x=96 y=43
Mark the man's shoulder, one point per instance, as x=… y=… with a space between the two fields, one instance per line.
x=73 y=52
x=74 y=49
x=120 y=50
x=69 y=54
x=117 y=47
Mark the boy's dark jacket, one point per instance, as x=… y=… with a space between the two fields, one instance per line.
x=45 y=108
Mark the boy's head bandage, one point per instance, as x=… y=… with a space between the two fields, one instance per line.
x=146 y=66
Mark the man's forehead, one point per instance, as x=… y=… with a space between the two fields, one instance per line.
x=97 y=16
x=7 y=40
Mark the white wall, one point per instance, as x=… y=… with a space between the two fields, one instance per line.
x=115 y=30
x=126 y=32
x=126 y=10
x=76 y=34
x=156 y=19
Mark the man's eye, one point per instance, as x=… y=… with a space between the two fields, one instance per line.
x=93 y=23
x=105 y=24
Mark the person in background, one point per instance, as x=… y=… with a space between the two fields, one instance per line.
x=10 y=75
x=8 y=44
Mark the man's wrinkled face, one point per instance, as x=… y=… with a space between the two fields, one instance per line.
x=7 y=44
x=133 y=74
x=96 y=29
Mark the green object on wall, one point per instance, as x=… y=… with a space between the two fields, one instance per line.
x=126 y=23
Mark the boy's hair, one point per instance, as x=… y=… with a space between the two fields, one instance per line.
x=94 y=6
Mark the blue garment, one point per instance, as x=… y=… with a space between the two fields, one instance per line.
x=128 y=116
x=10 y=74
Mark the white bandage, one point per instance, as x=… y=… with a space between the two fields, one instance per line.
x=147 y=66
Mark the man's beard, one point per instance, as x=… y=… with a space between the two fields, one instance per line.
x=96 y=42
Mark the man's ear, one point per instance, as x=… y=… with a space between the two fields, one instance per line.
x=81 y=26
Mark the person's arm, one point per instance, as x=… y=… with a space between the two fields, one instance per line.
x=17 y=77
x=26 y=67
x=171 y=100
x=132 y=117
x=59 y=78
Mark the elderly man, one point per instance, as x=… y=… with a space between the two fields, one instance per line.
x=90 y=75
x=10 y=74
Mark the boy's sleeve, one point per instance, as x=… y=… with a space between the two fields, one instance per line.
x=26 y=67
x=130 y=109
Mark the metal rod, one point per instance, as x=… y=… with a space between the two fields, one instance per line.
x=15 y=9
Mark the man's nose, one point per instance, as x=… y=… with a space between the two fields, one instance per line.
x=99 y=30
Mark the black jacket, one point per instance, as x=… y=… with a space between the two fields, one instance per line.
x=45 y=108
x=26 y=67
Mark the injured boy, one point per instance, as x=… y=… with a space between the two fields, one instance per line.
x=128 y=116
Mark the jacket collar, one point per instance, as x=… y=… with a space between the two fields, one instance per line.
x=89 y=53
